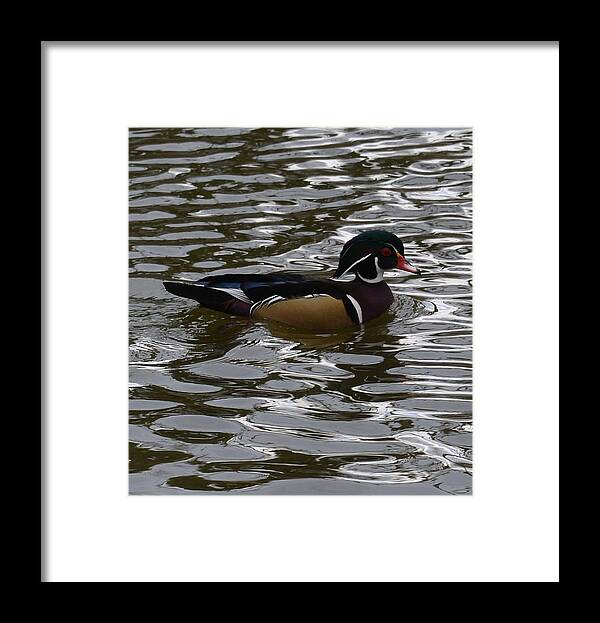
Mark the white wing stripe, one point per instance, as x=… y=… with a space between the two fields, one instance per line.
x=238 y=294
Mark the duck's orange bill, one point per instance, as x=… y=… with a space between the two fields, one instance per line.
x=404 y=265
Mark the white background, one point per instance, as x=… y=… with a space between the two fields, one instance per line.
x=506 y=531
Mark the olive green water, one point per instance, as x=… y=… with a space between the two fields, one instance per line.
x=224 y=405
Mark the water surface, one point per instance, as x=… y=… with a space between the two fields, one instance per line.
x=224 y=405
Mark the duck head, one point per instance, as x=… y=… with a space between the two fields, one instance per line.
x=371 y=253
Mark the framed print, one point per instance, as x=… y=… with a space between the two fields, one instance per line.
x=300 y=306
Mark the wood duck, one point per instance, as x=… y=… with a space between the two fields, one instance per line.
x=355 y=294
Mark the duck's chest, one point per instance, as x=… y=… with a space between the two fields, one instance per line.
x=371 y=300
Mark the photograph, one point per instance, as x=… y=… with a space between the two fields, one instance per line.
x=300 y=310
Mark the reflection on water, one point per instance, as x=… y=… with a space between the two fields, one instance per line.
x=222 y=404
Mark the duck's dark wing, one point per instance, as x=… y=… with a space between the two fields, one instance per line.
x=232 y=293
x=242 y=294
x=219 y=299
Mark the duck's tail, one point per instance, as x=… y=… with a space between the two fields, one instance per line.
x=220 y=299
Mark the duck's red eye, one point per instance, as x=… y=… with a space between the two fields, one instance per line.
x=386 y=251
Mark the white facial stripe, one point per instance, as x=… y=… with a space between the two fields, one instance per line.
x=378 y=277
x=356 y=307
x=345 y=280
x=355 y=263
